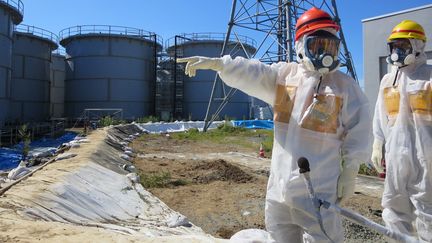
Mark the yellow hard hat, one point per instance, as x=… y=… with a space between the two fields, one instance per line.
x=407 y=29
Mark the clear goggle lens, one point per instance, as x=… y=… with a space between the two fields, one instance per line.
x=322 y=45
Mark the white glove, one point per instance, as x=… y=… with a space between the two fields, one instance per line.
x=377 y=155
x=198 y=62
x=346 y=183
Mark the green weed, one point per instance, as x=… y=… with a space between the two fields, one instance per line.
x=155 y=180
x=160 y=180
x=226 y=133
x=365 y=170
x=108 y=121
x=24 y=135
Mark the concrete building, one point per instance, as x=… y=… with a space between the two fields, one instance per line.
x=375 y=33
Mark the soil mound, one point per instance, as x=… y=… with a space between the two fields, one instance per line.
x=219 y=170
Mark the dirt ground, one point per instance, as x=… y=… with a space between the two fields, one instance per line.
x=219 y=196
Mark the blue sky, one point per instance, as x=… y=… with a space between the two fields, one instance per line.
x=170 y=17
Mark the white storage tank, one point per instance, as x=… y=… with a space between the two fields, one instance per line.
x=110 y=67
x=30 y=86
x=57 y=87
x=11 y=13
x=197 y=90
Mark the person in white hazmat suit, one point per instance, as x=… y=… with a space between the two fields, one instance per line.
x=320 y=113
x=403 y=121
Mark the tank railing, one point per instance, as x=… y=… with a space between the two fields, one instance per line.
x=17 y=4
x=156 y=38
x=22 y=28
x=107 y=29
x=208 y=36
x=60 y=51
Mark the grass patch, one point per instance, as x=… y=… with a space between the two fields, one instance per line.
x=217 y=134
x=226 y=133
x=161 y=180
x=268 y=143
x=155 y=180
x=365 y=170
x=192 y=134
x=108 y=121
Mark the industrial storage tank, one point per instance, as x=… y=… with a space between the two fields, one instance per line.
x=11 y=13
x=57 y=87
x=109 y=68
x=30 y=83
x=197 y=90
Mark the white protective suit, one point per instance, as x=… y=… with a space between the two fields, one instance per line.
x=289 y=88
x=403 y=119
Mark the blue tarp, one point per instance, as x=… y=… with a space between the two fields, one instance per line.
x=254 y=124
x=10 y=157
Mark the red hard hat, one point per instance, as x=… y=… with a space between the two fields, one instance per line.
x=314 y=19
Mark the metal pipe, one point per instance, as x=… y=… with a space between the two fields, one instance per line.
x=230 y=25
x=304 y=170
x=359 y=219
x=289 y=13
x=154 y=73
x=175 y=78
x=349 y=64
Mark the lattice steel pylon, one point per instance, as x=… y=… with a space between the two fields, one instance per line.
x=272 y=24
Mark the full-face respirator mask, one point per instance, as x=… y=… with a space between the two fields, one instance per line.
x=321 y=50
x=401 y=53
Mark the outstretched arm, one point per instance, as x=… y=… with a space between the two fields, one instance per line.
x=250 y=76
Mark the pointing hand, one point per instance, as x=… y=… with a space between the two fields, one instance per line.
x=199 y=62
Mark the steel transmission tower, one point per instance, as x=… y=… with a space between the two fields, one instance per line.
x=272 y=24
